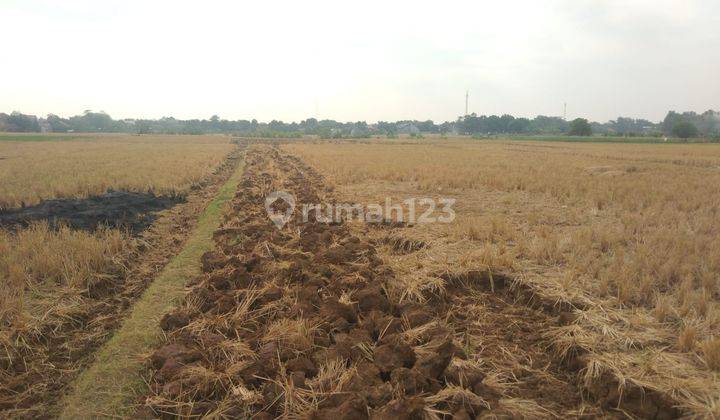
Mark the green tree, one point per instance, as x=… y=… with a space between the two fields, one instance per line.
x=580 y=127
x=57 y=124
x=684 y=130
x=142 y=127
x=91 y=122
x=22 y=123
x=519 y=125
x=548 y=125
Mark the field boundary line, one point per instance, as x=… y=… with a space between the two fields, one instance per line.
x=108 y=386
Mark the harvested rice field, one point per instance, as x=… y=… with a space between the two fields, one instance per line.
x=85 y=224
x=501 y=279
x=370 y=211
x=36 y=168
x=550 y=295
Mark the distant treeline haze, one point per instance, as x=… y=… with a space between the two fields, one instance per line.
x=686 y=124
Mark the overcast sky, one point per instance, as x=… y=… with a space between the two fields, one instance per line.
x=369 y=60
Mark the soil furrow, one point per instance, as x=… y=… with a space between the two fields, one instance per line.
x=307 y=322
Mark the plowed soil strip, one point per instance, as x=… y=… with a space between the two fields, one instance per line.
x=308 y=322
x=108 y=386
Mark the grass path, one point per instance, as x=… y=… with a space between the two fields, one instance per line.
x=108 y=387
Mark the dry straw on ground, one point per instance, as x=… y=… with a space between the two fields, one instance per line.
x=626 y=236
x=56 y=280
x=38 y=261
x=32 y=171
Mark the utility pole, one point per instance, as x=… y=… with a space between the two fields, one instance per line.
x=467 y=94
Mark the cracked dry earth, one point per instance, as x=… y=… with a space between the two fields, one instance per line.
x=307 y=322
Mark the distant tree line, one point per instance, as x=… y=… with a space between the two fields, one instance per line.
x=507 y=124
x=684 y=125
x=691 y=124
x=17 y=122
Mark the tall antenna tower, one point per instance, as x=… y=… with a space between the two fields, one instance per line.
x=467 y=94
x=565 y=111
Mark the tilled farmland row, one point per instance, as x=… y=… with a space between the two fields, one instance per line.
x=306 y=322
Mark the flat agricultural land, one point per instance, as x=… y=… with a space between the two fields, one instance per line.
x=38 y=167
x=622 y=240
x=73 y=256
x=574 y=280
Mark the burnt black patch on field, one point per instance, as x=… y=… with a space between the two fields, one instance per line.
x=133 y=211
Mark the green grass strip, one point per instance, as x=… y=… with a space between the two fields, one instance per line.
x=109 y=387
